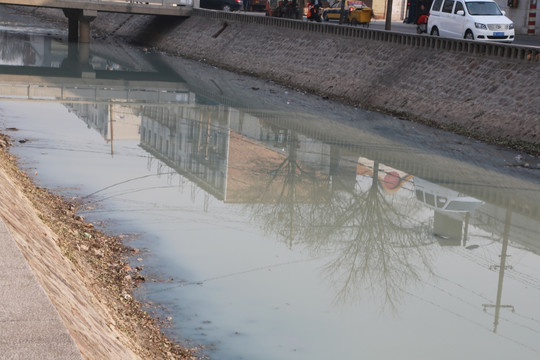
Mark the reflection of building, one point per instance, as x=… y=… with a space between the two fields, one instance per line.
x=227 y=152
x=194 y=142
x=113 y=121
x=234 y=155
x=390 y=180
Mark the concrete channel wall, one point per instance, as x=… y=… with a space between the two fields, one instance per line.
x=489 y=91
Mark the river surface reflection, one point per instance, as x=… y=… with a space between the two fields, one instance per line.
x=275 y=225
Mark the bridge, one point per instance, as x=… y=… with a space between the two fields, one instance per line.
x=68 y=73
x=81 y=12
x=149 y=86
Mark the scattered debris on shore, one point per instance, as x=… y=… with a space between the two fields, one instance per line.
x=101 y=261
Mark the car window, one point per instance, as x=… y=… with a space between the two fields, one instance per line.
x=437 y=5
x=447 y=6
x=459 y=6
x=430 y=199
x=441 y=201
x=483 y=8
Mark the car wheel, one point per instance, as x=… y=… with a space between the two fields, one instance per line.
x=435 y=31
x=325 y=16
x=354 y=22
x=469 y=35
x=226 y=8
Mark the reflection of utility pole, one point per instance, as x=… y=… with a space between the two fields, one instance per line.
x=207 y=138
x=375 y=175
x=199 y=130
x=501 y=267
x=466 y=228
x=335 y=155
x=111 y=120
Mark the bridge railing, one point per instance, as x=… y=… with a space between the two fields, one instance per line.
x=477 y=48
x=151 y=7
x=142 y=2
x=154 y=2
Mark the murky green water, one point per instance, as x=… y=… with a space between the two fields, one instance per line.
x=276 y=225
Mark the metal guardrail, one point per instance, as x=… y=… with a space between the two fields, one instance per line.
x=477 y=48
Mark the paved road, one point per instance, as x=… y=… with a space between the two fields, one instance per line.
x=411 y=29
x=398 y=26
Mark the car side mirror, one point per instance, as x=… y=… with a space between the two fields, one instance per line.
x=503 y=12
x=460 y=13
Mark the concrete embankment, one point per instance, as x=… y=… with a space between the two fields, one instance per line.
x=457 y=86
x=31 y=327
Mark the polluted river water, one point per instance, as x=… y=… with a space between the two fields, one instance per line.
x=273 y=224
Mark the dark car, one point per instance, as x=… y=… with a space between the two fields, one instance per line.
x=225 y=5
x=257 y=5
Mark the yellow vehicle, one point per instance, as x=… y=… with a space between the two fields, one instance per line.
x=360 y=16
x=333 y=12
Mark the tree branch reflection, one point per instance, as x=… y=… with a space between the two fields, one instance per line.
x=374 y=242
x=295 y=193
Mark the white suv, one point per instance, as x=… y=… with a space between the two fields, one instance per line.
x=472 y=20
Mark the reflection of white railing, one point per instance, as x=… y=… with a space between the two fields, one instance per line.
x=95 y=93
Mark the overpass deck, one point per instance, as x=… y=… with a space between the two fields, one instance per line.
x=80 y=13
x=146 y=7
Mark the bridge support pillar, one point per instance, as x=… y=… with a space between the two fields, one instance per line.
x=86 y=16
x=79 y=24
x=73 y=24
x=84 y=55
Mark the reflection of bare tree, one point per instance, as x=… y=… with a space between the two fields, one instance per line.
x=379 y=245
x=293 y=191
x=10 y=50
x=373 y=240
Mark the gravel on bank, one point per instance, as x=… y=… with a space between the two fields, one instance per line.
x=82 y=270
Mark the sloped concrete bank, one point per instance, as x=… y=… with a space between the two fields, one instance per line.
x=495 y=99
x=483 y=96
x=82 y=271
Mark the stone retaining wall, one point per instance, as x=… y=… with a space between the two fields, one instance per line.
x=470 y=88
